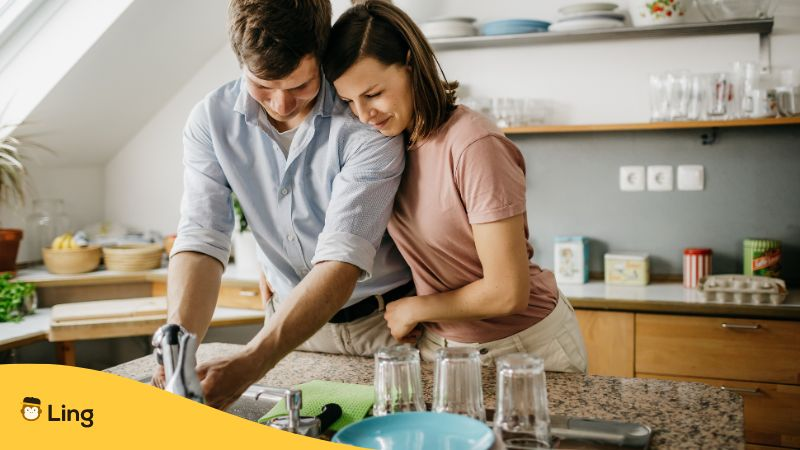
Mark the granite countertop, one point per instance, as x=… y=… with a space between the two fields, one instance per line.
x=681 y=415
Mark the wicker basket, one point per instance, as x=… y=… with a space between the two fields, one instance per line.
x=71 y=260
x=133 y=257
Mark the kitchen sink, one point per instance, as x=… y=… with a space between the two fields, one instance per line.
x=247 y=406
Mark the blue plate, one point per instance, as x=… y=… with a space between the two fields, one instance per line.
x=514 y=26
x=419 y=431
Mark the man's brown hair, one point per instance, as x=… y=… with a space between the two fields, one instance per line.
x=383 y=31
x=270 y=37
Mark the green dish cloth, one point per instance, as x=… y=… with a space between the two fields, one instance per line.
x=355 y=399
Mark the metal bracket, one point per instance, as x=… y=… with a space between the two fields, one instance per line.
x=765 y=52
x=710 y=137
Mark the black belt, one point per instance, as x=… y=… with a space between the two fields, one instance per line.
x=370 y=304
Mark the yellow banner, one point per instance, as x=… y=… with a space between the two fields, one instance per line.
x=51 y=407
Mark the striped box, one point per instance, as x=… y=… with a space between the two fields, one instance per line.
x=696 y=265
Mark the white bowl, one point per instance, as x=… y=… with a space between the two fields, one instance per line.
x=647 y=13
x=722 y=10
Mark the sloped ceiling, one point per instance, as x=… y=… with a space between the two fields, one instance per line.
x=132 y=70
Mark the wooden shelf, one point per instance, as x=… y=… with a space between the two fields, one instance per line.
x=760 y=26
x=545 y=129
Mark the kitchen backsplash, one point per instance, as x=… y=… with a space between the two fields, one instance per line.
x=752 y=190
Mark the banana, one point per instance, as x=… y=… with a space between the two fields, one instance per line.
x=57 y=242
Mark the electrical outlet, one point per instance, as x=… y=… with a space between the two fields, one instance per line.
x=691 y=178
x=631 y=178
x=659 y=178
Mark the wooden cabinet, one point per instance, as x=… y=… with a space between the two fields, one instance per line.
x=722 y=348
x=609 y=341
x=771 y=411
x=229 y=295
x=759 y=359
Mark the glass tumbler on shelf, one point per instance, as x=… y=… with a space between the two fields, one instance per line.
x=398 y=381
x=720 y=95
x=678 y=95
x=659 y=102
x=47 y=221
x=522 y=417
x=457 y=383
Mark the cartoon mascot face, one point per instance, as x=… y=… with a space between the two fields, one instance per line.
x=31 y=408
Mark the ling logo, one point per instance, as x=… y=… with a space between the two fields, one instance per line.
x=31 y=408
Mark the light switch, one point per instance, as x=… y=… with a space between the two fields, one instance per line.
x=631 y=178
x=659 y=178
x=691 y=178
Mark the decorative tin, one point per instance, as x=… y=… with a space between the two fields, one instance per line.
x=571 y=259
x=696 y=265
x=762 y=257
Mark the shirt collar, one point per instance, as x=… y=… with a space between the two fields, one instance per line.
x=250 y=108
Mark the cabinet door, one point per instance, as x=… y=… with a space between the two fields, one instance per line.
x=771 y=411
x=246 y=297
x=609 y=341
x=723 y=348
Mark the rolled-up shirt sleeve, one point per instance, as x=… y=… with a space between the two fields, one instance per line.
x=206 y=221
x=361 y=203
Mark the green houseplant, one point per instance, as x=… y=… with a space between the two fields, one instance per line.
x=12 y=191
x=16 y=299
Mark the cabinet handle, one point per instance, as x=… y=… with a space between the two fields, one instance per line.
x=248 y=293
x=741 y=390
x=736 y=326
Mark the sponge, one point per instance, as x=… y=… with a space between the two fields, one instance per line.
x=356 y=401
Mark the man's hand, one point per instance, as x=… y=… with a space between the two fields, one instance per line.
x=399 y=317
x=225 y=379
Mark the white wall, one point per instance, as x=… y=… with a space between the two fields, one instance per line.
x=144 y=180
x=596 y=82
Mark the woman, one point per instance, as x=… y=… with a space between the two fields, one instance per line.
x=459 y=217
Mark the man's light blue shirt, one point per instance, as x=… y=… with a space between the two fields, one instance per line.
x=329 y=199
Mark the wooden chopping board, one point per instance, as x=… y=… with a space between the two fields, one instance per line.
x=109 y=309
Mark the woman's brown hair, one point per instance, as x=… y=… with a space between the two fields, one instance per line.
x=383 y=31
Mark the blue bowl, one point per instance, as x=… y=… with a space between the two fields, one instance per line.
x=419 y=431
x=514 y=26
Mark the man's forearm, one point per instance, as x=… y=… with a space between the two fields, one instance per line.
x=192 y=289
x=311 y=304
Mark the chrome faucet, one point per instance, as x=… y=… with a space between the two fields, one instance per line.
x=176 y=349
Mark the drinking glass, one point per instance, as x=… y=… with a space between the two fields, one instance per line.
x=720 y=92
x=522 y=416
x=678 y=94
x=697 y=97
x=398 y=383
x=659 y=102
x=457 y=386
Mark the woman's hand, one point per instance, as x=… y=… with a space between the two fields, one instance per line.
x=399 y=317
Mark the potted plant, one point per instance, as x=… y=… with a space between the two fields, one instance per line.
x=12 y=177
x=16 y=299
x=244 y=242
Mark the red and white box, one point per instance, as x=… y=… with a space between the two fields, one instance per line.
x=696 y=265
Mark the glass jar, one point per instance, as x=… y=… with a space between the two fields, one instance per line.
x=45 y=223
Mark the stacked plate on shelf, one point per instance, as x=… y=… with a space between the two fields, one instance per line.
x=588 y=16
x=449 y=27
x=513 y=26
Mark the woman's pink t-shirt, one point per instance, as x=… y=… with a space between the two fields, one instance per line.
x=468 y=172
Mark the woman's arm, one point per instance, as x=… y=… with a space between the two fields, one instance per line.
x=503 y=290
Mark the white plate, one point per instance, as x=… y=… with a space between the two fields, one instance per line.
x=438 y=30
x=586 y=24
x=587 y=7
x=451 y=19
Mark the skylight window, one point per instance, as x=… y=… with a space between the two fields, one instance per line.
x=13 y=13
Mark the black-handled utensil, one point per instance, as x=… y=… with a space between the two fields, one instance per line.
x=331 y=412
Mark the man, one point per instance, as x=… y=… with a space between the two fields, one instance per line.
x=316 y=187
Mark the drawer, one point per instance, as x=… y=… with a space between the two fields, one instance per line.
x=712 y=347
x=230 y=296
x=240 y=297
x=771 y=411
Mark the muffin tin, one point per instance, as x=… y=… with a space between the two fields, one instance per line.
x=744 y=289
